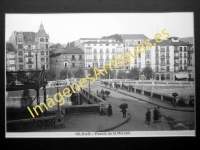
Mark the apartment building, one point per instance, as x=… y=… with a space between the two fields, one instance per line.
x=32 y=49
x=10 y=57
x=71 y=59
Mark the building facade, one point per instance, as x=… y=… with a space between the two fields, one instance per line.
x=10 y=57
x=71 y=59
x=32 y=49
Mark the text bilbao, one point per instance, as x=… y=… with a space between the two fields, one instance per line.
x=124 y=59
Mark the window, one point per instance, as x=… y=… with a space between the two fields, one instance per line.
x=47 y=53
x=73 y=65
x=185 y=62
x=135 y=61
x=29 y=66
x=95 y=57
x=46 y=46
x=157 y=68
x=19 y=39
x=46 y=40
x=167 y=61
x=107 y=50
x=167 y=54
x=101 y=56
x=101 y=50
x=42 y=40
x=138 y=42
x=95 y=51
x=42 y=59
x=20 y=66
x=21 y=60
x=65 y=64
x=11 y=56
x=88 y=56
x=20 y=45
x=168 y=76
x=167 y=68
x=113 y=56
x=180 y=61
x=185 y=49
x=156 y=54
x=47 y=59
x=185 y=68
x=180 y=67
x=12 y=62
x=29 y=46
x=107 y=57
x=119 y=49
x=113 y=50
x=42 y=53
x=29 y=53
x=101 y=64
x=139 y=55
x=80 y=57
x=47 y=66
x=89 y=64
x=157 y=61
x=180 y=49
x=42 y=46
x=29 y=60
x=29 y=38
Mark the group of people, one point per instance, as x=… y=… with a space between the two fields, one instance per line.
x=101 y=94
x=156 y=115
x=109 y=111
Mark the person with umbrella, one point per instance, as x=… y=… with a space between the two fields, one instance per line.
x=123 y=107
x=155 y=115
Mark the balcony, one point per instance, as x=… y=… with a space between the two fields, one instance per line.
x=80 y=59
x=73 y=66
x=176 y=57
x=29 y=56
x=21 y=61
x=190 y=51
x=101 y=59
x=162 y=64
x=176 y=64
x=162 y=56
x=95 y=53
x=176 y=51
x=73 y=59
x=29 y=62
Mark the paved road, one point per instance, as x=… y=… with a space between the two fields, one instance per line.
x=137 y=110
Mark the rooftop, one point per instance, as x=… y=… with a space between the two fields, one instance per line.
x=10 y=48
x=170 y=43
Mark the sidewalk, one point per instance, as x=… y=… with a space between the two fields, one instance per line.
x=150 y=100
x=91 y=122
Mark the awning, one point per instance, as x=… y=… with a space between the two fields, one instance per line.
x=181 y=75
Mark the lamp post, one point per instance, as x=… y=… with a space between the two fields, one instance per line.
x=37 y=90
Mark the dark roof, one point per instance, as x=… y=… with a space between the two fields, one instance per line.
x=74 y=50
x=117 y=37
x=170 y=43
x=89 y=38
x=187 y=39
x=10 y=47
x=133 y=36
x=29 y=34
x=102 y=42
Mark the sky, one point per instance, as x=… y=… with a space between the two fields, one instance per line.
x=68 y=27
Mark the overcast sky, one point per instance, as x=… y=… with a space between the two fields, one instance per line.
x=63 y=28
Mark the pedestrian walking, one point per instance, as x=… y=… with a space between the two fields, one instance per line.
x=148 y=117
x=124 y=112
x=110 y=110
x=159 y=114
x=155 y=115
x=174 y=102
x=103 y=97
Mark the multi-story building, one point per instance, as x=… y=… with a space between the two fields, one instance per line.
x=32 y=49
x=170 y=57
x=71 y=59
x=10 y=57
x=100 y=51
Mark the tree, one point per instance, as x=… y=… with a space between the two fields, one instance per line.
x=50 y=75
x=63 y=74
x=148 y=72
x=79 y=73
x=121 y=74
x=91 y=71
x=133 y=74
x=106 y=76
